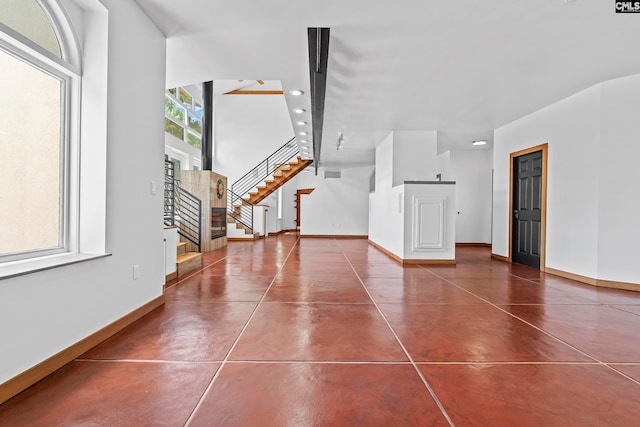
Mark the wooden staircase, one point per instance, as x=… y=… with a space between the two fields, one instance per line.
x=187 y=261
x=281 y=175
x=247 y=231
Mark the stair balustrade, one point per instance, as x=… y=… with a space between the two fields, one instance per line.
x=239 y=209
x=256 y=176
x=181 y=208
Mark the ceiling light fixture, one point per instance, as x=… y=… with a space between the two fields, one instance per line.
x=296 y=92
x=479 y=142
x=301 y=123
x=303 y=141
x=299 y=110
x=303 y=133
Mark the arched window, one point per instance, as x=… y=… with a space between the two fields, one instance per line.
x=39 y=92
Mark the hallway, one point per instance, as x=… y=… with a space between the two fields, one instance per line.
x=331 y=332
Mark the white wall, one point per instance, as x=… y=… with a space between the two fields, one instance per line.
x=619 y=203
x=592 y=173
x=386 y=204
x=471 y=170
x=337 y=206
x=248 y=128
x=45 y=312
x=289 y=203
x=414 y=156
x=571 y=127
x=444 y=166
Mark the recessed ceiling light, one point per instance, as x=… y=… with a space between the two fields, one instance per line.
x=301 y=123
x=296 y=92
x=299 y=110
x=303 y=133
x=479 y=142
x=303 y=141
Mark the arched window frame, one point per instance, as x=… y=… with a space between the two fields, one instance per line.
x=67 y=68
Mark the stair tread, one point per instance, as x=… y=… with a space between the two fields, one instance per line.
x=188 y=256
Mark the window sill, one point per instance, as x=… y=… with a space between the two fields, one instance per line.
x=20 y=268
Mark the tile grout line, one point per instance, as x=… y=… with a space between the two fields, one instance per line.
x=193 y=273
x=349 y=362
x=233 y=346
x=598 y=362
x=404 y=349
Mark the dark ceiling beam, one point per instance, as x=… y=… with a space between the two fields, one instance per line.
x=318 y=59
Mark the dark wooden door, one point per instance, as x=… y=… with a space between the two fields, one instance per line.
x=527 y=209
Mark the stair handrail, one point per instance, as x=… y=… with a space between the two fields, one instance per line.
x=266 y=168
x=239 y=209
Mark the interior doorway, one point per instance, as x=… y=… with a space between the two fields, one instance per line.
x=528 y=199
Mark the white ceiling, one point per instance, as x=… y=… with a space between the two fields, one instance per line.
x=462 y=68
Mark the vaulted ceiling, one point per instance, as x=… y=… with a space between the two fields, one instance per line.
x=461 y=68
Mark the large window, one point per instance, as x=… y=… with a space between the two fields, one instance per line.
x=183 y=116
x=37 y=81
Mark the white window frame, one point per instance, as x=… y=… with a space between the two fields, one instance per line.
x=67 y=69
x=185 y=125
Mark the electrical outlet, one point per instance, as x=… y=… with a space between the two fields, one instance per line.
x=154 y=189
x=136 y=272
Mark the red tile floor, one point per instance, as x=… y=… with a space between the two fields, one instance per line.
x=331 y=332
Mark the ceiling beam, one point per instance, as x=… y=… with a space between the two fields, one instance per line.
x=318 y=59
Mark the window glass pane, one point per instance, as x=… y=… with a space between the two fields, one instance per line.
x=194 y=140
x=195 y=123
x=173 y=128
x=173 y=109
x=30 y=146
x=27 y=18
x=172 y=91
x=186 y=99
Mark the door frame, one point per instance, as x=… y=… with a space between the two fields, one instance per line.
x=543 y=214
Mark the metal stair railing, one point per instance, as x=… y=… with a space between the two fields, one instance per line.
x=181 y=208
x=239 y=209
x=265 y=168
x=188 y=216
x=251 y=179
x=169 y=194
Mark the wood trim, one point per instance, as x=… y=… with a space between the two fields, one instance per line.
x=429 y=261
x=404 y=261
x=34 y=374
x=595 y=282
x=473 y=245
x=500 y=258
x=572 y=276
x=241 y=239
x=543 y=225
x=334 y=236
x=277 y=233
x=619 y=285
x=385 y=251
x=255 y=92
x=169 y=277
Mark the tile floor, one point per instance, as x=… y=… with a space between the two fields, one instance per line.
x=332 y=332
